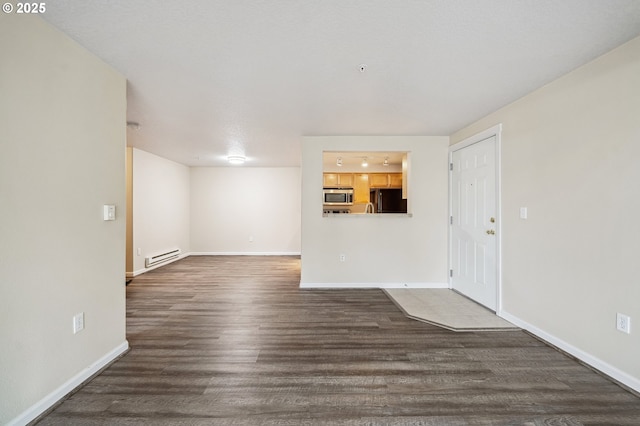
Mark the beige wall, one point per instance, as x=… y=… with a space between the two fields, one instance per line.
x=230 y=205
x=380 y=250
x=160 y=207
x=62 y=144
x=211 y=210
x=571 y=154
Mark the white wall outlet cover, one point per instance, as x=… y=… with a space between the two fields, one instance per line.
x=78 y=322
x=623 y=323
x=523 y=212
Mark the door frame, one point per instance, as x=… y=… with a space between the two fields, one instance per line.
x=494 y=131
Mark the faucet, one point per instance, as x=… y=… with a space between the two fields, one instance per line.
x=366 y=208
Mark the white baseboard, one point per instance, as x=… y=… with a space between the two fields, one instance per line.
x=142 y=271
x=374 y=285
x=598 y=364
x=50 y=400
x=245 y=253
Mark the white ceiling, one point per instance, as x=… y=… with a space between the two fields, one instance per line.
x=208 y=78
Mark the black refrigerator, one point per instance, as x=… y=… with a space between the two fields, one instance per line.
x=388 y=200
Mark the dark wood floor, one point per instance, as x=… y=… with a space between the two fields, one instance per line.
x=233 y=341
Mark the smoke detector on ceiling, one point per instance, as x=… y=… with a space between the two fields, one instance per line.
x=362 y=67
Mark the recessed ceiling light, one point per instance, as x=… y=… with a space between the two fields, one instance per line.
x=236 y=159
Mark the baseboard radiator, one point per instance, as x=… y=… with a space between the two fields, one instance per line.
x=161 y=258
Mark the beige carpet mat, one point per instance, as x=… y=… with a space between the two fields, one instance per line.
x=448 y=309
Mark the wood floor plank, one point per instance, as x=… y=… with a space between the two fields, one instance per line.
x=232 y=340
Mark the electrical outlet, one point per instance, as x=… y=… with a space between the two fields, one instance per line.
x=623 y=323
x=78 y=322
x=343 y=258
x=250 y=238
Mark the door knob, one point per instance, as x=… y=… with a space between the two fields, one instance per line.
x=491 y=232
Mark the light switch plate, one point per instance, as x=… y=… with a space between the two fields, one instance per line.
x=109 y=212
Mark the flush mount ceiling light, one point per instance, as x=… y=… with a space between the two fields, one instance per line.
x=364 y=162
x=339 y=161
x=236 y=159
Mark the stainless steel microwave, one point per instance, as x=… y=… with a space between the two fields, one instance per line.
x=337 y=196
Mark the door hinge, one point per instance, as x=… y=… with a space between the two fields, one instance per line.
x=451 y=166
x=451 y=273
x=450 y=220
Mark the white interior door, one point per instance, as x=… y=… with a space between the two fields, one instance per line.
x=473 y=222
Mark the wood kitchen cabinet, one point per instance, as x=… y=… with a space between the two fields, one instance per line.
x=361 y=188
x=395 y=180
x=362 y=183
x=378 y=180
x=337 y=179
x=330 y=179
x=385 y=180
x=345 y=179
